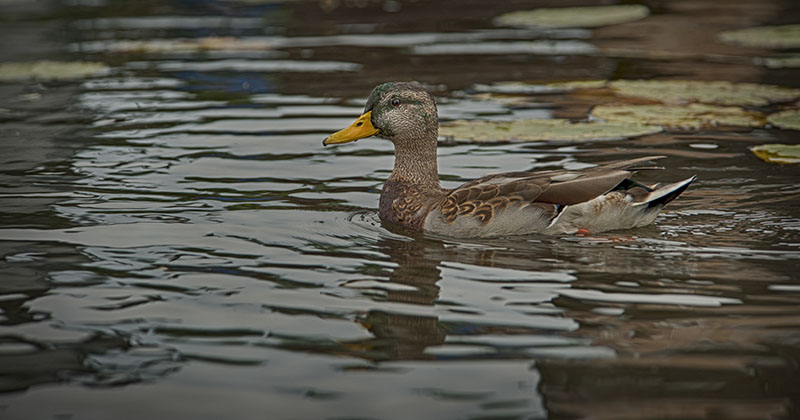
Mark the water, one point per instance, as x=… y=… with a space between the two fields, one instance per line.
x=177 y=243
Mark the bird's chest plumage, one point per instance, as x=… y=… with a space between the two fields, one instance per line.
x=403 y=204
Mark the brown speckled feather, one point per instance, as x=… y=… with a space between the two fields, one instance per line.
x=491 y=195
x=405 y=204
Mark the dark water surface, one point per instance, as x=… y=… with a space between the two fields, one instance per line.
x=176 y=243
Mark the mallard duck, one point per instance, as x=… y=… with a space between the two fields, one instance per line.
x=590 y=200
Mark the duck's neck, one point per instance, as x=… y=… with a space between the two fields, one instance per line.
x=415 y=161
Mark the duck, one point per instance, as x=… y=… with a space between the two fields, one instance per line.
x=591 y=200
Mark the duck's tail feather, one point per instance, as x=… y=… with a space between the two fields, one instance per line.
x=663 y=195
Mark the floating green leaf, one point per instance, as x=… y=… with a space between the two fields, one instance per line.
x=692 y=116
x=785 y=36
x=541 y=130
x=51 y=70
x=525 y=88
x=718 y=92
x=517 y=88
x=579 y=84
x=540 y=47
x=787 y=119
x=574 y=17
x=777 y=153
x=667 y=91
x=506 y=100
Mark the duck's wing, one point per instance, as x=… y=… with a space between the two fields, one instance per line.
x=486 y=197
x=573 y=187
x=529 y=201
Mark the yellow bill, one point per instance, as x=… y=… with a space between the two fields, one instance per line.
x=362 y=127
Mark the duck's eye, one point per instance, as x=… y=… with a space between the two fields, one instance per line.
x=395 y=102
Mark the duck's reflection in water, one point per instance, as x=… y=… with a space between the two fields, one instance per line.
x=486 y=303
x=689 y=348
x=403 y=336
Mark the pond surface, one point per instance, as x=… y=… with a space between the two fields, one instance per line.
x=176 y=243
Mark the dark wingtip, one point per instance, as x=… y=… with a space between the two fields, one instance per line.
x=663 y=200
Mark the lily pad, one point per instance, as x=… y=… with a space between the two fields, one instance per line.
x=579 y=84
x=777 y=153
x=718 y=92
x=501 y=99
x=542 y=130
x=51 y=70
x=787 y=119
x=692 y=116
x=516 y=88
x=523 y=88
x=667 y=91
x=784 y=36
x=573 y=17
x=539 y=47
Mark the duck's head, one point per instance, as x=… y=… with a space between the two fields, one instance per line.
x=398 y=111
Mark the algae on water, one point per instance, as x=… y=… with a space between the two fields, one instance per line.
x=667 y=91
x=574 y=17
x=525 y=88
x=714 y=92
x=778 y=37
x=51 y=70
x=542 y=130
x=691 y=116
